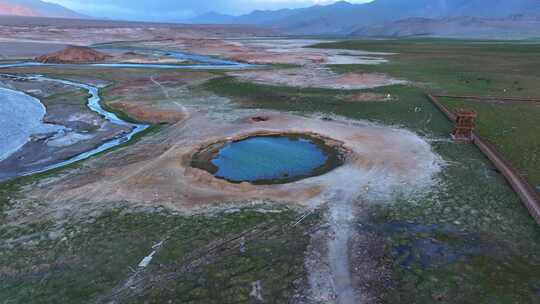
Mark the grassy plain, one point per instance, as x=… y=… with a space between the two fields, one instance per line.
x=455 y=66
x=91 y=261
x=482 y=68
x=469 y=240
x=212 y=258
x=514 y=127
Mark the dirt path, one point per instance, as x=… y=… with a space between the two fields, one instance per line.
x=329 y=262
x=166 y=93
x=341 y=219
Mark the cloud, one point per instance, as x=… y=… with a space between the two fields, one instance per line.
x=170 y=10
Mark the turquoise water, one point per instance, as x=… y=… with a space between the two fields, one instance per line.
x=266 y=158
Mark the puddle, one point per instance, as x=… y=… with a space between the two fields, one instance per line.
x=429 y=245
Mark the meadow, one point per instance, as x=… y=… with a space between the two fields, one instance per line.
x=480 y=68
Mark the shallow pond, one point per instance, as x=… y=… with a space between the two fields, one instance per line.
x=272 y=159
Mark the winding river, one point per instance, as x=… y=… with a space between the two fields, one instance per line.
x=93 y=104
x=204 y=62
x=207 y=63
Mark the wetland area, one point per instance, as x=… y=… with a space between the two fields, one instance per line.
x=225 y=166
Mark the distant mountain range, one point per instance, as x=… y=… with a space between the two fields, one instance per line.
x=507 y=19
x=343 y=18
x=513 y=27
x=36 y=8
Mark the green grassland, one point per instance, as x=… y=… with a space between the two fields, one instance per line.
x=454 y=66
x=452 y=226
x=484 y=68
x=514 y=127
x=205 y=259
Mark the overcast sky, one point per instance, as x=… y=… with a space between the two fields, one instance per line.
x=167 y=10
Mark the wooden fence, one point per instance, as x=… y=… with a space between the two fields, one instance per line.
x=526 y=192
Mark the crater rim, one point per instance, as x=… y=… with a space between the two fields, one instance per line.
x=334 y=150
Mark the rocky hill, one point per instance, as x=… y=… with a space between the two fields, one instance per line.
x=74 y=54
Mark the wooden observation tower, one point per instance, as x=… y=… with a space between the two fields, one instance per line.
x=465 y=124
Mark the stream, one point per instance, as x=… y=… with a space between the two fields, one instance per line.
x=205 y=62
x=93 y=103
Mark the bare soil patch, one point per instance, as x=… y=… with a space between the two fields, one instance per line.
x=313 y=77
x=156 y=98
x=368 y=97
x=165 y=176
x=269 y=51
x=27 y=49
